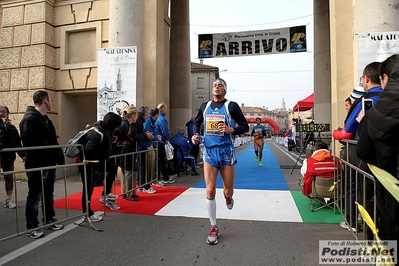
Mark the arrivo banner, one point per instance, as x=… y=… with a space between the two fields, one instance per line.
x=262 y=42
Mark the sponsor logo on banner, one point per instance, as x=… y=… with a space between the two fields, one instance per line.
x=262 y=42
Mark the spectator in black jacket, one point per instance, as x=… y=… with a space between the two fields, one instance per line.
x=97 y=149
x=38 y=130
x=383 y=128
x=11 y=139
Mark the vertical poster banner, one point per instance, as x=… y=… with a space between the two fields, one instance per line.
x=298 y=39
x=249 y=43
x=205 y=46
x=116 y=79
x=376 y=46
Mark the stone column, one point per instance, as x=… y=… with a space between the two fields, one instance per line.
x=322 y=66
x=342 y=61
x=381 y=16
x=180 y=67
x=1 y=17
x=126 y=29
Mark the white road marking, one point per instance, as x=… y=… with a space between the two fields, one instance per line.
x=288 y=154
x=38 y=242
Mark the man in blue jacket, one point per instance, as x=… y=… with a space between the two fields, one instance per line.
x=372 y=87
x=162 y=128
x=190 y=132
x=149 y=126
x=183 y=143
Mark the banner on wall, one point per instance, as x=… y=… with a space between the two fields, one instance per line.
x=376 y=46
x=116 y=76
x=261 y=42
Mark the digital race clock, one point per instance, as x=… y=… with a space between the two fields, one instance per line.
x=313 y=127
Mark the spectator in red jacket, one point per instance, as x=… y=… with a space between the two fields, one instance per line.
x=320 y=164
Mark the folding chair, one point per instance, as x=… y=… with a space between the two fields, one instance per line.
x=178 y=160
x=320 y=191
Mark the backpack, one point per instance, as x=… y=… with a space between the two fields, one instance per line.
x=74 y=151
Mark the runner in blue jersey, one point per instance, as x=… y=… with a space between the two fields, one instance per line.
x=259 y=132
x=222 y=120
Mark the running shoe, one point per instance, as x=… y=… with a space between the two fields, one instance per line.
x=110 y=204
x=260 y=164
x=10 y=204
x=94 y=218
x=229 y=202
x=55 y=227
x=346 y=227
x=169 y=181
x=149 y=191
x=111 y=196
x=213 y=237
x=36 y=234
x=256 y=158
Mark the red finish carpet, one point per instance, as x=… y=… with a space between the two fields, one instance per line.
x=148 y=204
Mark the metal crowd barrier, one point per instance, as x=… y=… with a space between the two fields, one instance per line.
x=369 y=211
x=350 y=185
x=20 y=220
x=143 y=160
x=357 y=187
x=8 y=230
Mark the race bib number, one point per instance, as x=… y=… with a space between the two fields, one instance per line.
x=258 y=133
x=211 y=124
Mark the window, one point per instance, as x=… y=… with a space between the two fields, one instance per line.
x=79 y=45
x=200 y=83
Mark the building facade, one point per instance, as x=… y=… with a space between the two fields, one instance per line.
x=202 y=78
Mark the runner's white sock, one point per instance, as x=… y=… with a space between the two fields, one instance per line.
x=211 y=208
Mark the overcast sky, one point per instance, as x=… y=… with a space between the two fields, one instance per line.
x=262 y=80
